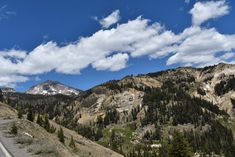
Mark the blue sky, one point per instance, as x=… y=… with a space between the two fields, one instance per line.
x=55 y=25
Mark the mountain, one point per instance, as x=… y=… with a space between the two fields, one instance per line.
x=8 y=90
x=143 y=115
x=52 y=88
x=146 y=110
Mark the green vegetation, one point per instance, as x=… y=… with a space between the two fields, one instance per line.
x=39 y=120
x=179 y=146
x=119 y=138
x=45 y=123
x=14 y=129
x=72 y=143
x=19 y=112
x=30 y=115
x=1 y=96
x=60 y=135
x=225 y=86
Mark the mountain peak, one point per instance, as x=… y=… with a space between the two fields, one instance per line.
x=52 y=82
x=8 y=90
x=51 y=87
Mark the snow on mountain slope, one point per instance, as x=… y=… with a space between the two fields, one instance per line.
x=53 y=87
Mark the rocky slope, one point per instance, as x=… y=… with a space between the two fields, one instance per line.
x=206 y=94
x=126 y=94
x=52 y=88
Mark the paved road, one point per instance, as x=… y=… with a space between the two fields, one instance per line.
x=10 y=144
x=3 y=151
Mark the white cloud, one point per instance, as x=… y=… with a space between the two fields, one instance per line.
x=11 y=80
x=111 y=19
x=202 y=48
x=112 y=63
x=110 y=49
x=203 y=11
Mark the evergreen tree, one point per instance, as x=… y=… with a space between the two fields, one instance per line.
x=46 y=124
x=179 y=146
x=14 y=129
x=72 y=143
x=100 y=122
x=52 y=129
x=112 y=140
x=115 y=141
x=30 y=115
x=99 y=134
x=19 y=112
x=60 y=135
x=39 y=120
x=1 y=96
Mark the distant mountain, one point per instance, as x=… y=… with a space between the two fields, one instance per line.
x=52 y=88
x=8 y=90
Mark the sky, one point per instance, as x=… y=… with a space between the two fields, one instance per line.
x=87 y=42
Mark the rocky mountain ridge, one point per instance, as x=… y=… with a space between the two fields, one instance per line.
x=186 y=99
x=52 y=88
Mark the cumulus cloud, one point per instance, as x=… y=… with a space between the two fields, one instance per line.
x=110 y=49
x=203 y=11
x=113 y=63
x=111 y=19
x=11 y=80
x=203 y=48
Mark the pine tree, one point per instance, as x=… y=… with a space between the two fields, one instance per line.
x=179 y=146
x=30 y=115
x=14 y=129
x=72 y=143
x=1 y=96
x=39 y=120
x=113 y=141
x=46 y=124
x=98 y=134
x=19 y=112
x=52 y=129
x=60 y=135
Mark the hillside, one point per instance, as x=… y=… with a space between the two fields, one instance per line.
x=33 y=140
x=150 y=108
